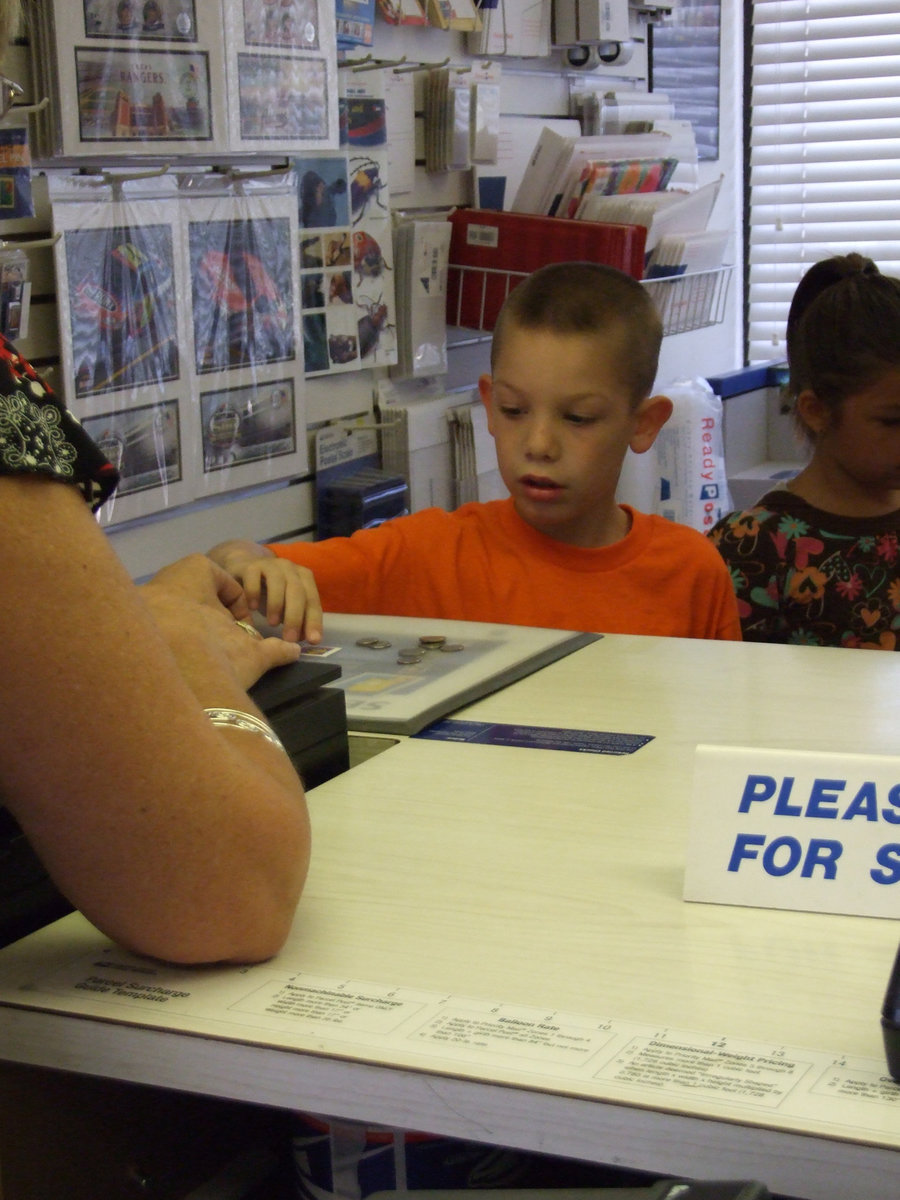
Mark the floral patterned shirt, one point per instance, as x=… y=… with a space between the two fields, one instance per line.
x=38 y=435
x=812 y=578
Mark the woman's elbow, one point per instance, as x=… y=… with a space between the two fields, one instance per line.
x=243 y=914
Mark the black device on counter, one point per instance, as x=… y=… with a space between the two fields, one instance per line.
x=309 y=718
x=890 y=1020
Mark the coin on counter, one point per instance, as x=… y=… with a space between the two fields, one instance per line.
x=432 y=641
x=451 y=647
x=412 y=654
x=373 y=643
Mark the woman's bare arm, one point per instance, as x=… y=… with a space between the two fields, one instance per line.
x=177 y=838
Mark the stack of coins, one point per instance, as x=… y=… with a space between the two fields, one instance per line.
x=373 y=643
x=437 y=641
x=410 y=655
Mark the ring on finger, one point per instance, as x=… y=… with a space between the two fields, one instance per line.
x=250 y=628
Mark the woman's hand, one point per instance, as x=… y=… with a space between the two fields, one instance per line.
x=202 y=611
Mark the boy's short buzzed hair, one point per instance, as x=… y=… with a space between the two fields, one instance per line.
x=593 y=299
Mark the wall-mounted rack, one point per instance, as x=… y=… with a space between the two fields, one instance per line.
x=685 y=302
x=691 y=301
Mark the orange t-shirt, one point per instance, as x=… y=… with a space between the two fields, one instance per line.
x=482 y=562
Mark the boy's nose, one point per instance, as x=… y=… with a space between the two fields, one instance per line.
x=540 y=441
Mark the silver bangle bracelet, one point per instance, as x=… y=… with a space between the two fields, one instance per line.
x=232 y=718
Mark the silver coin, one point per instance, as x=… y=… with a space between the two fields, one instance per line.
x=379 y=644
x=451 y=647
x=432 y=641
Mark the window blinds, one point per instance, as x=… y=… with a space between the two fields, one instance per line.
x=824 y=149
x=685 y=65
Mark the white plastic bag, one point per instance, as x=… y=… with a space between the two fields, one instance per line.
x=693 y=486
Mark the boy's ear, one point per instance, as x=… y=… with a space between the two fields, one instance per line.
x=486 y=392
x=650 y=416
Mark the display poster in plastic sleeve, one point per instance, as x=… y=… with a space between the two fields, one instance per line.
x=346 y=253
x=138 y=78
x=282 y=75
x=245 y=337
x=182 y=352
x=165 y=77
x=246 y=424
x=120 y=277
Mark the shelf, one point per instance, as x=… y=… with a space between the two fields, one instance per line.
x=691 y=301
x=685 y=302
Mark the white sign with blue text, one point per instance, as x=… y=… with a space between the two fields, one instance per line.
x=795 y=829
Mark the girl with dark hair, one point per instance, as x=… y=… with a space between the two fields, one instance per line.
x=816 y=561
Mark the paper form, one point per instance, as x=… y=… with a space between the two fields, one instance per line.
x=584 y=1054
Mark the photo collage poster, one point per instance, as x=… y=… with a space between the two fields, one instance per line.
x=185 y=77
x=346 y=253
x=282 y=69
x=181 y=345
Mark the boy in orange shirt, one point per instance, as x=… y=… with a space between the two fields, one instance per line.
x=573 y=361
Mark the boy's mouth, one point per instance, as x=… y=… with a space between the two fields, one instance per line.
x=539 y=485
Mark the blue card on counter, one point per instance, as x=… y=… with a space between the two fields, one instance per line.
x=535 y=737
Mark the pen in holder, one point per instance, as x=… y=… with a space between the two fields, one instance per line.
x=890 y=1020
